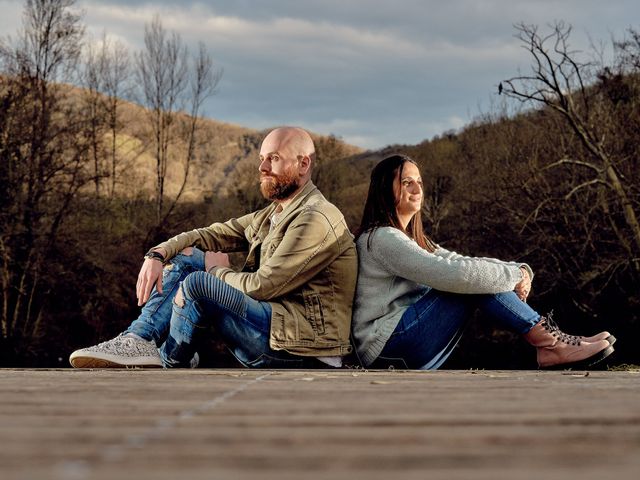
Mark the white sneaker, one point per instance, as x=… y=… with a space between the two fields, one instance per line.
x=124 y=351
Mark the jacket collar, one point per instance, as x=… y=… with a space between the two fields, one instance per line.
x=296 y=201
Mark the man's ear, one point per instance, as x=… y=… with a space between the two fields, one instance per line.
x=304 y=164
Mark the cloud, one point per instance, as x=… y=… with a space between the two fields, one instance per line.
x=433 y=128
x=369 y=71
x=10 y=18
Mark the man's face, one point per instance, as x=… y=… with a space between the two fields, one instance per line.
x=279 y=176
x=279 y=187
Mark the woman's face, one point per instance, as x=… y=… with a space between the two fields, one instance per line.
x=407 y=188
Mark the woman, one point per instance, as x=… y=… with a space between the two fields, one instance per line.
x=414 y=298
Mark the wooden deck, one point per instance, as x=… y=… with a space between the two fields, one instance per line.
x=242 y=424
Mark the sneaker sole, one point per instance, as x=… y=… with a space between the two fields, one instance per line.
x=583 y=364
x=81 y=361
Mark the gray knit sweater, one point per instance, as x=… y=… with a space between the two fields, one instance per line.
x=395 y=272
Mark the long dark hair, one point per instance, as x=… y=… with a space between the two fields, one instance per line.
x=380 y=207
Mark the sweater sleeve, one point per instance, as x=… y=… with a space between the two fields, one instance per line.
x=442 y=270
x=451 y=255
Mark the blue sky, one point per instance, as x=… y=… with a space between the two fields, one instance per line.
x=373 y=72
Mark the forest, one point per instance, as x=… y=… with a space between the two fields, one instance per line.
x=105 y=152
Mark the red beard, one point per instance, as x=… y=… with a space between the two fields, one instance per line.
x=280 y=187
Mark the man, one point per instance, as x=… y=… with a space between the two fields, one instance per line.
x=290 y=306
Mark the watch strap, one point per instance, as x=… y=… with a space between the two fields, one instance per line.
x=155 y=256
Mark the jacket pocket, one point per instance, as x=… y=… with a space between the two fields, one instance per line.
x=269 y=247
x=314 y=312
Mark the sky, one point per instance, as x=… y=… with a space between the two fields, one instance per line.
x=372 y=72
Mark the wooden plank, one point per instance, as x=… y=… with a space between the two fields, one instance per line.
x=157 y=424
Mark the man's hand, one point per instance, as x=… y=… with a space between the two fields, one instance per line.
x=524 y=286
x=150 y=275
x=215 y=259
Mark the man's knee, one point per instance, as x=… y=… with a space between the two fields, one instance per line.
x=189 y=258
x=200 y=285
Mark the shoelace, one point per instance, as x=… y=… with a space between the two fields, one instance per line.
x=552 y=327
x=126 y=341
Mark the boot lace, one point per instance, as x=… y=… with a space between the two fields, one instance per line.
x=552 y=327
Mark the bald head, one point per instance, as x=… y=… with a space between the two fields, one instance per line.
x=289 y=141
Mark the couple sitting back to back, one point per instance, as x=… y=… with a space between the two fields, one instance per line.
x=292 y=304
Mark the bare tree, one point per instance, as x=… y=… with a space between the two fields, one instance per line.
x=203 y=81
x=106 y=81
x=562 y=83
x=629 y=51
x=169 y=85
x=93 y=81
x=117 y=74
x=43 y=155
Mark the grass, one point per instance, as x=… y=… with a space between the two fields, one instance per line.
x=625 y=367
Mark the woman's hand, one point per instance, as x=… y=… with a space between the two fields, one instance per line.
x=524 y=287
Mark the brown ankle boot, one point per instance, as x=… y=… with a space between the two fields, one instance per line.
x=600 y=336
x=557 y=349
x=555 y=330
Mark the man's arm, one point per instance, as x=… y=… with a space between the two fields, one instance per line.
x=308 y=246
x=225 y=237
x=228 y=236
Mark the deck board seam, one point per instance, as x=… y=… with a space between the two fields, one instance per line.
x=161 y=428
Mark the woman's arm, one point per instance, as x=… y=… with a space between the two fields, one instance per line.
x=449 y=254
x=446 y=271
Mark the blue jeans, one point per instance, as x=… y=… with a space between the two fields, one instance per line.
x=242 y=322
x=430 y=328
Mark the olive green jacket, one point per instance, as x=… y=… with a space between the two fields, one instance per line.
x=307 y=270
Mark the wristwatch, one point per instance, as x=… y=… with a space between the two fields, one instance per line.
x=154 y=255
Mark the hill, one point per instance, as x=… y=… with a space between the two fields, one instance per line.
x=222 y=150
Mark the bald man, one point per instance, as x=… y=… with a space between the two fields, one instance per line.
x=288 y=307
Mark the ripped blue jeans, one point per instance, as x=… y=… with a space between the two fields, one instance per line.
x=242 y=322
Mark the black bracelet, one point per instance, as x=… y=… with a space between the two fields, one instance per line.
x=152 y=254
